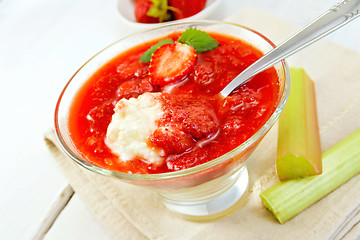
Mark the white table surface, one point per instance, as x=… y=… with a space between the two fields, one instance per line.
x=42 y=43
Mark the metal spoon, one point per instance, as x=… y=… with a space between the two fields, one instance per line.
x=336 y=17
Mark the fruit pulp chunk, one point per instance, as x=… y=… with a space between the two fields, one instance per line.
x=203 y=126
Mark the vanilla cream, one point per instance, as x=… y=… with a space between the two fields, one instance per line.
x=132 y=123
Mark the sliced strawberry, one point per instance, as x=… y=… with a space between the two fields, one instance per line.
x=171 y=63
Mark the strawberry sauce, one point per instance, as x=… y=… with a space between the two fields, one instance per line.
x=198 y=125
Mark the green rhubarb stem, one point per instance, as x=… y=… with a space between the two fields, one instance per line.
x=340 y=163
x=299 y=149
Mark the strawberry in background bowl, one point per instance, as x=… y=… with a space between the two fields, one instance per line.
x=157 y=12
x=186 y=8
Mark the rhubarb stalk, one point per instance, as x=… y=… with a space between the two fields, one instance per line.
x=299 y=150
x=340 y=163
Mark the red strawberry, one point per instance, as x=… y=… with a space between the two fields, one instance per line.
x=200 y=121
x=141 y=9
x=152 y=11
x=186 y=8
x=171 y=139
x=171 y=63
x=133 y=88
x=195 y=116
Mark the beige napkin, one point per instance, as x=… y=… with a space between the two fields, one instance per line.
x=130 y=212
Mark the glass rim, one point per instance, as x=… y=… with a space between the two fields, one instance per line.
x=198 y=168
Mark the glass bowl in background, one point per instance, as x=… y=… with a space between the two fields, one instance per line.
x=204 y=190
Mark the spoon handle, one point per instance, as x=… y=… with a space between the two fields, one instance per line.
x=334 y=18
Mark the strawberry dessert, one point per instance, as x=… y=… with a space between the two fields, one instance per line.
x=156 y=108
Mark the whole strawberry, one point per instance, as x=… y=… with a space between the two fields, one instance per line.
x=186 y=8
x=152 y=11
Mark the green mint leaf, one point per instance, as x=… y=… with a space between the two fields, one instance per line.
x=147 y=55
x=200 y=40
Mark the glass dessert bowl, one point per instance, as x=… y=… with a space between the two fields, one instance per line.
x=204 y=189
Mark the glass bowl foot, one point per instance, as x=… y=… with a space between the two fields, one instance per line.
x=210 y=198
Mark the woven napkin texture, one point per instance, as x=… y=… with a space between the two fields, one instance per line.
x=131 y=212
